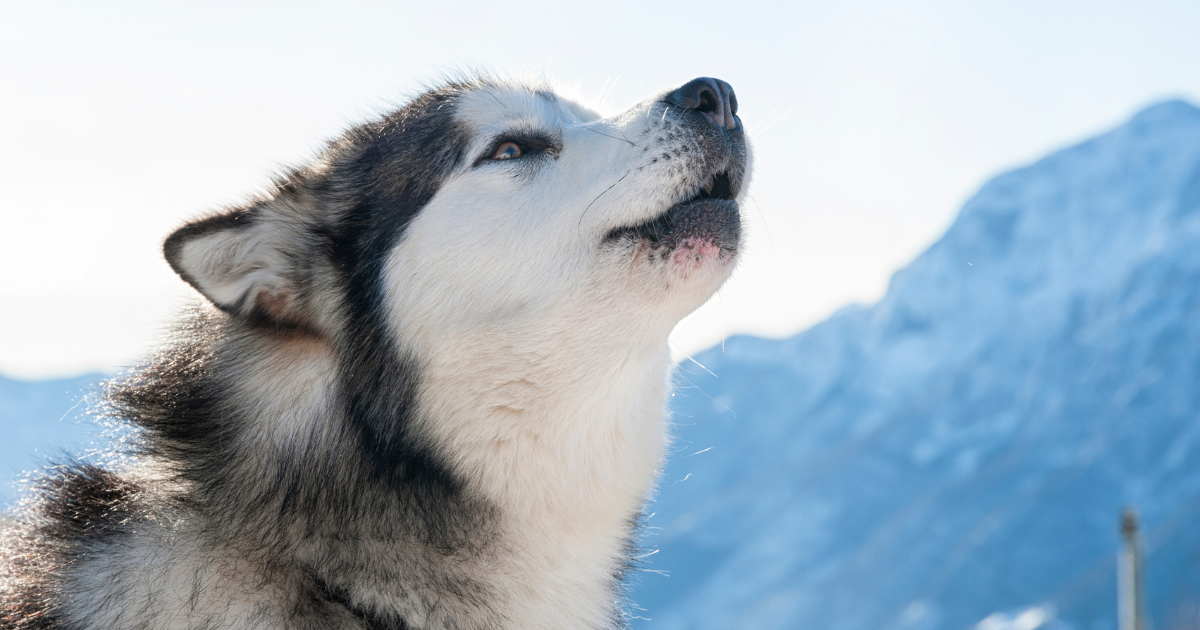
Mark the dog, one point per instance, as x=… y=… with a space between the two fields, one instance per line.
x=425 y=387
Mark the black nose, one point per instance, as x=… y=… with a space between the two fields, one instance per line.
x=712 y=97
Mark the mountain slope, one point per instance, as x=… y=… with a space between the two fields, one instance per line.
x=963 y=447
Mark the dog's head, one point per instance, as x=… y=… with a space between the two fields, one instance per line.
x=484 y=205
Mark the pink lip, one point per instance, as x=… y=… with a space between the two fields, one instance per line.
x=694 y=253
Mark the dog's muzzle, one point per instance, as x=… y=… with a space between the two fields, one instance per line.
x=710 y=214
x=712 y=98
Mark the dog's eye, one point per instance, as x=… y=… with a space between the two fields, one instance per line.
x=507 y=151
x=518 y=145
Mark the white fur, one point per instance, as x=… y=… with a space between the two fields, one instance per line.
x=545 y=372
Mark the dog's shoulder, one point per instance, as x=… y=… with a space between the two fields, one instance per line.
x=71 y=506
x=97 y=549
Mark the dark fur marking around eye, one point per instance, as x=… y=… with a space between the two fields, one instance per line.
x=533 y=144
x=379 y=389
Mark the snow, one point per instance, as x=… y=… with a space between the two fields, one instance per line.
x=1028 y=619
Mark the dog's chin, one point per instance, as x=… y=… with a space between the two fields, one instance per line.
x=689 y=235
x=698 y=238
x=684 y=255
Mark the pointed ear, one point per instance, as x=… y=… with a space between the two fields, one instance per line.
x=245 y=262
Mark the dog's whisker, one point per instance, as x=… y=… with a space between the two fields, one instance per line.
x=589 y=206
x=608 y=136
x=781 y=117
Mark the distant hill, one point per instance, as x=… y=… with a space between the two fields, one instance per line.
x=40 y=419
x=961 y=449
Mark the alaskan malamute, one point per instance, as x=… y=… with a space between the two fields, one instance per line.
x=427 y=389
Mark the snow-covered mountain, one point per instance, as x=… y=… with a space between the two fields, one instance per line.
x=952 y=457
x=958 y=452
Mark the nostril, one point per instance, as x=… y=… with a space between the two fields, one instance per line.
x=708 y=102
x=712 y=97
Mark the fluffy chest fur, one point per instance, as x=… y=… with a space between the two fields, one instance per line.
x=567 y=455
x=563 y=433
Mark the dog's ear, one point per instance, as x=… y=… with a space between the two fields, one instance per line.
x=248 y=262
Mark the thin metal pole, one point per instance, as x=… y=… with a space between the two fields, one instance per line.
x=1129 y=574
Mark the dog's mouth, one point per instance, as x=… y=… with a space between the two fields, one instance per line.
x=717 y=187
x=709 y=215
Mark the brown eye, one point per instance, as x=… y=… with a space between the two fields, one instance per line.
x=507 y=151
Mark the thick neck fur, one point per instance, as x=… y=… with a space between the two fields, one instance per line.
x=544 y=452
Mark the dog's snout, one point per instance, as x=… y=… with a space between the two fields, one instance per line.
x=712 y=97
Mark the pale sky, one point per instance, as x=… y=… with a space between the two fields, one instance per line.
x=872 y=123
